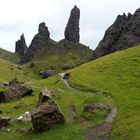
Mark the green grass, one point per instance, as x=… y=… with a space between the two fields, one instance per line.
x=59 y=54
x=10 y=56
x=119 y=75
x=72 y=129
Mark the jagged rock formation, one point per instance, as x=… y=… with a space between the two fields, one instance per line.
x=43 y=47
x=39 y=41
x=21 y=46
x=123 y=34
x=72 y=28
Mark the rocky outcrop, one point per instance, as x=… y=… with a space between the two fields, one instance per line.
x=20 y=46
x=14 y=90
x=123 y=34
x=40 y=40
x=72 y=28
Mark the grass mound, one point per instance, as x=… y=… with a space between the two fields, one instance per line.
x=119 y=75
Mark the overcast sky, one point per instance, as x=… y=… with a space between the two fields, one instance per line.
x=23 y=16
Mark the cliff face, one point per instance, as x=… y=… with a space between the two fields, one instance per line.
x=20 y=46
x=122 y=34
x=72 y=28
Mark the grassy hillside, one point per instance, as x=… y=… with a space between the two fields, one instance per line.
x=72 y=129
x=119 y=75
x=6 y=55
x=59 y=54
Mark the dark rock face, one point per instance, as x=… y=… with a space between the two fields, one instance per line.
x=14 y=90
x=21 y=46
x=72 y=28
x=46 y=116
x=123 y=34
x=40 y=40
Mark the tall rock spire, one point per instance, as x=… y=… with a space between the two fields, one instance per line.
x=20 y=46
x=72 y=28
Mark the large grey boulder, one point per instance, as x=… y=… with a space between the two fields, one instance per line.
x=122 y=34
x=46 y=116
x=72 y=28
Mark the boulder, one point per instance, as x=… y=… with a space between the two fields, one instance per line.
x=122 y=34
x=44 y=96
x=14 y=90
x=72 y=28
x=46 y=73
x=46 y=116
x=4 y=121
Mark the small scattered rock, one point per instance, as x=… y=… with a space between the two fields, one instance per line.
x=32 y=65
x=66 y=76
x=91 y=107
x=25 y=117
x=56 y=91
x=17 y=106
x=23 y=130
x=47 y=73
x=6 y=129
x=1 y=111
x=53 y=67
x=4 y=121
x=65 y=67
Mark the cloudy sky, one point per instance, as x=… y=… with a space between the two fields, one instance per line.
x=23 y=16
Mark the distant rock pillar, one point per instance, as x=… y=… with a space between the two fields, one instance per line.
x=20 y=46
x=72 y=28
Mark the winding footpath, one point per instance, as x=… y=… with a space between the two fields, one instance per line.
x=99 y=132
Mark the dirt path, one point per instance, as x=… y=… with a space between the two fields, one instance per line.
x=102 y=131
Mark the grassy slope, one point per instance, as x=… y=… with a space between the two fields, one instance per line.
x=118 y=74
x=61 y=53
x=6 y=55
x=72 y=129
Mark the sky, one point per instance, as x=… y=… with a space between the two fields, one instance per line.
x=24 y=16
